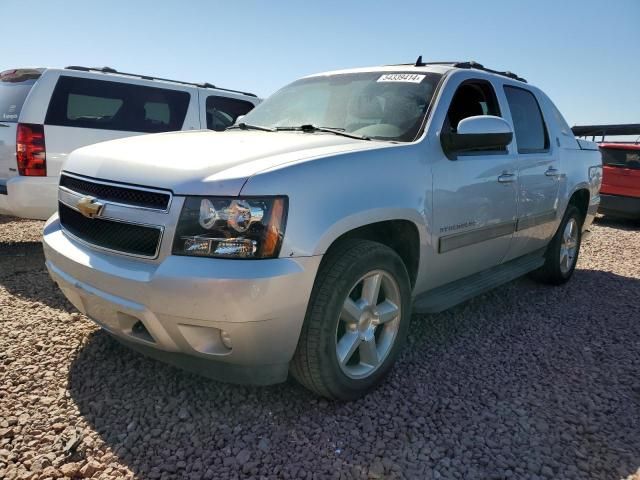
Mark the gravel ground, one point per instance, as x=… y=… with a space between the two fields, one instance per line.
x=525 y=382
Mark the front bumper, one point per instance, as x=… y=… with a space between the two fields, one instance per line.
x=181 y=309
x=29 y=197
x=620 y=206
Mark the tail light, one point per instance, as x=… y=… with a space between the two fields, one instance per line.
x=30 y=150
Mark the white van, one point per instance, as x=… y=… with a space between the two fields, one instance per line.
x=45 y=113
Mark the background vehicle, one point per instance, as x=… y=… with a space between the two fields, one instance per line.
x=299 y=239
x=45 y=113
x=620 y=191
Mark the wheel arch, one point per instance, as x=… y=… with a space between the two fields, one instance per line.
x=580 y=198
x=402 y=235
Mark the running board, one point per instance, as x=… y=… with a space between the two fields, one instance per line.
x=451 y=294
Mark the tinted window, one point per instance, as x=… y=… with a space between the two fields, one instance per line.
x=15 y=85
x=530 y=130
x=626 y=158
x=471 y=99
x=89 y=107
x=223 y=111
x=106 y=105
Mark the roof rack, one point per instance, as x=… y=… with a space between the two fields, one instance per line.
x=147 y=77
x=479 y=66
x=468 y=64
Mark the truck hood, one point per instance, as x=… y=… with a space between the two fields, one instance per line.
x=203 y=162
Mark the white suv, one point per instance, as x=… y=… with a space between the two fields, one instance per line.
x=45 y=113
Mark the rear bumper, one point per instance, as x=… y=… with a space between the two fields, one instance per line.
x=29 y=197
x=620 y=206
x=181 y=309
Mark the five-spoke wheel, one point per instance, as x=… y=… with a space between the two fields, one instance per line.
x=356 y=322
x=368 y=324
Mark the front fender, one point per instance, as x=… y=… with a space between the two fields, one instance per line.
x=367 y=217
x=333 y=195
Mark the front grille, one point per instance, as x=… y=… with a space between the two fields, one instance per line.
x=125 y=195
x=121 y=237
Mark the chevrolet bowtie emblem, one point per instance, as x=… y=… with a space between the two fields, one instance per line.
x=89 y=207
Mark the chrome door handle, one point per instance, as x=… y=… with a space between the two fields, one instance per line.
x=552 y=172
x=507 y=178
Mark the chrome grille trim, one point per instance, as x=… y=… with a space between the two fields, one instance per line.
x=118 y=212
x=90 y=180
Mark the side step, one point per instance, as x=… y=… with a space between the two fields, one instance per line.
x=458 y=291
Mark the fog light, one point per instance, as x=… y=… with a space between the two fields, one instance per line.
x=226 y=339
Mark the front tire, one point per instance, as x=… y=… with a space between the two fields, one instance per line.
x=356 y=322
x=562 y=252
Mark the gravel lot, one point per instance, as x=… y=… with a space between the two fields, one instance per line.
x=525 y=382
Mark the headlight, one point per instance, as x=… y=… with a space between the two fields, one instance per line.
x=231 y=227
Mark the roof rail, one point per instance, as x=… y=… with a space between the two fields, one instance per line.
x=147 y=77
x=479 y=66
x=468 y=64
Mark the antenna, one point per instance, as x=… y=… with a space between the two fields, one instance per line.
x=419 y=62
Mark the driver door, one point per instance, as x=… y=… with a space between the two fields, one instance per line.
x=474 y=196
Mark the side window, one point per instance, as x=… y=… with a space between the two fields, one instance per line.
x=107 y=105
x=223 y=111
x=528 y=123
x=475 y=97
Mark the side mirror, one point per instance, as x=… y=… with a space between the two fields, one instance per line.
x=482 y=132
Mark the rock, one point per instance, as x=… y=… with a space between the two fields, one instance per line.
x=183 y=414
x=89 y=468
x=70 y=469
x=243 y=456
x=50 y=472
x=376 y=470
x=263 y=444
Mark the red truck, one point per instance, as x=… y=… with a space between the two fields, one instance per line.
x=620 y=191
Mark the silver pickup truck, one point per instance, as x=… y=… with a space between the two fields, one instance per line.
x=301 y=239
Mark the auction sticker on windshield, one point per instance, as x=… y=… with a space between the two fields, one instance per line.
x=401 y=77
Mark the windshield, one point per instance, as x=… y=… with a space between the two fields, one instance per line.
x=380 y=105
x=15 y=85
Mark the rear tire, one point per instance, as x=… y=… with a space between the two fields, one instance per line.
x=356 y=322
x=562 y=252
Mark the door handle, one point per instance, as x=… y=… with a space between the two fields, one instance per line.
x=507 y=178
x=552 y=172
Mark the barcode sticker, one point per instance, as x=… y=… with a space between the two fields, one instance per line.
x=401 y=77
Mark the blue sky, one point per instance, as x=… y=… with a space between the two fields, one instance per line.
x=584 y=54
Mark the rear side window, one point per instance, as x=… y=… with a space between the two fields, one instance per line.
x=223 y=111
x=15 y=85
x=106 y=105
x=531 y=132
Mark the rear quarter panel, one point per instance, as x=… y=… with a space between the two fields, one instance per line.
x=575 y=160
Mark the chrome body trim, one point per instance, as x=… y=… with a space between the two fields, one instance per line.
x=535 y=220
x=70 y=199
x=120 y=185
x=464 y=239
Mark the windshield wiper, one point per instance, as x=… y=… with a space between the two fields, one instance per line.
x=313 y=128
x=246 y=126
